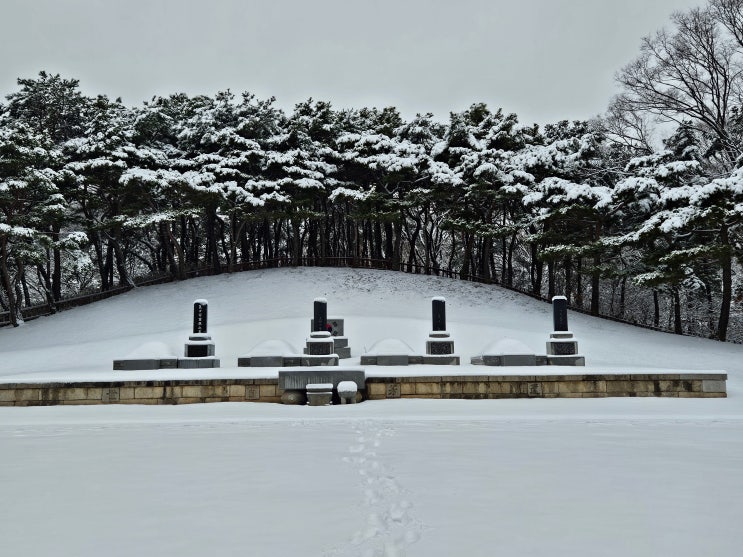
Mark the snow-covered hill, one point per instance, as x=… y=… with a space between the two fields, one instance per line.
x=246 y=309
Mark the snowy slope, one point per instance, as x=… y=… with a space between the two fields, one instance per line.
x=585 y=477
x=247 y=309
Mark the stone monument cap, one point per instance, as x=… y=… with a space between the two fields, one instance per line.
x=201 y=301
x=438 y=299
x=558 y=298
x=321 y=300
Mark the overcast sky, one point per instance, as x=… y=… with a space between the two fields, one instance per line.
x=543 y=59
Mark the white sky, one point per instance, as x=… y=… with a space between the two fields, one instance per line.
x=543 y=59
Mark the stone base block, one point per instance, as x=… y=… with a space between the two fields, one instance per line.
x=562 y=347
x=441 y=360
x=439 y=347
x=505 y=360
x=387 y=359
x=319 y=399
x=340 y=342
x=294 y=396
x=298 y=379
x=409 y=359
x=127 y=365
x=197 y=363
x=309 y=361
x=570 y=360
x=343 y=352
x=392 y=360
x=562 y=343
x=197 y=348
x=260 y=361
x=145 y=364
x=319 y=346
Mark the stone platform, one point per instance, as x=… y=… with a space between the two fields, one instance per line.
x=269 y=389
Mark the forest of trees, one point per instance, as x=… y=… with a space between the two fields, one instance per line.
x=95 y=194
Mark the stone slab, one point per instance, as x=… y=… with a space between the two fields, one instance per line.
x=393 y=360
x=319 y=360
x=198 y=349
x=562 y=347
x=298 y=379
x=343 y=352
x=319 y=387
x=319 y=347
x=505 y=360
x=713 y=386
x=260 y=361
x=197 y=363
x=565 y=360
x=441 y=360
x=136 y=364
x=439 y=347
x=319 y=399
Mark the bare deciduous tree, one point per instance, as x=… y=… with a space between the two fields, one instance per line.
x=690 y=73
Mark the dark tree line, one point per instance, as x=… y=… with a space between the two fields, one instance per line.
x=95 y=194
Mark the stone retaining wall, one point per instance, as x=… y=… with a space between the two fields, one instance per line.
x=140 y=392
x=699 y=385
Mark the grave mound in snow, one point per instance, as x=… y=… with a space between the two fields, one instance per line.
x=251 y=308
x=272 y=347
x=507 y=346
x=388 y=346
x=153 y=349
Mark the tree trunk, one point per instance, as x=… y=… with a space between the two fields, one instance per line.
x=656 y=310
x=595 y=286
x=13 y=309
x=296 y=243
x=677 y=328
x=727 y=286
x=115 y=240
x=57 y=267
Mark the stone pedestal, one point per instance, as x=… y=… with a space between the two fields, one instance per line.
x=562 y=350
x=199 y=346
x=341 y=348
x=320 y=343
x=197 y=363
x=145 y=364
x=439 y=344
x=319 y=394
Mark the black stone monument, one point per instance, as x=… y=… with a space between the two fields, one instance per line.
x=562 y=347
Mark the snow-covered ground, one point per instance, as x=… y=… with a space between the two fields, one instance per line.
x=629 y=477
